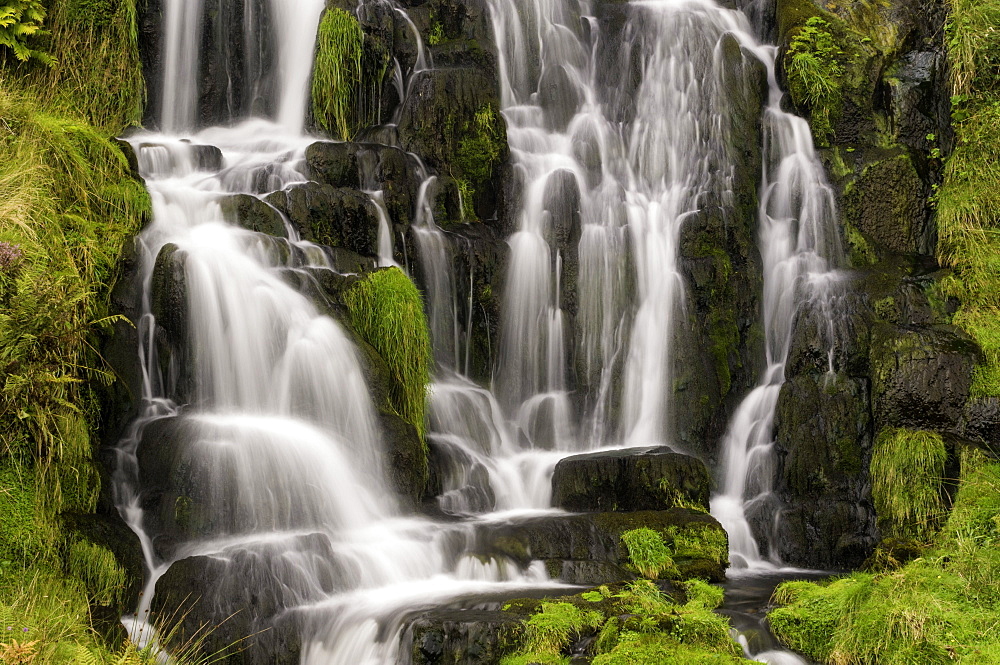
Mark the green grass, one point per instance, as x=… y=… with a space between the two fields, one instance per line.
x=388 y=312
x=968 y=199
x=942 y=608
x=907 y=469
x=337 y=73
x=634 y=624
x=815 y=72
x=648 y=553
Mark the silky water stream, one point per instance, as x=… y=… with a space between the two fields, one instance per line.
x=259 y=405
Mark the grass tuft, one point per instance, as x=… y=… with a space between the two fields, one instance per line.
x=907 y=468
x=337 y=74
x=388 y=311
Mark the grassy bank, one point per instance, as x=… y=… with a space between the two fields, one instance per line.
x=68 y=203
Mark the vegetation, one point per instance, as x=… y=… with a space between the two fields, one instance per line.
x=968 y=200
x=68 y=202
x=648 y=553
x=337 y=73
x=636 y=624
x=815 y=71
x=479 y=151
x=388 y=311
x=20 y=21
x=675 y=552
x=907 y=469
x=939 y=608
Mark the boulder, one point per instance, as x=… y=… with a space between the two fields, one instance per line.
x=921 y=377
x=632 y=479
x=589 y=545
x=457 y=637
x=253 y=214
x=326 y=215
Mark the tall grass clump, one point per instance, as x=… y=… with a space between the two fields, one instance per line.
x=907 y=469
x=337 y=74
x=969 y=200
x=648 y=553
x=941 y=608
x=388 y=312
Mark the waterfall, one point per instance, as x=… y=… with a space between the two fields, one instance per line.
x=256 y=401
x=801 y=253
x=255 y=410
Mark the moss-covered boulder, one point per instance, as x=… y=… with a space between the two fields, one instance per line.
x=334 y=216
x=630 y=479
x=253 y=214
x=823 y=437
x=457 y=637
x=921 y=378
x=591 y=544
x=451 y=118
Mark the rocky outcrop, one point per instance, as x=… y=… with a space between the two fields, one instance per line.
x=587 y=548
x=629 y=480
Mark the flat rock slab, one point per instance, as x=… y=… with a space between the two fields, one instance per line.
x=631 y=479
x=587 y=548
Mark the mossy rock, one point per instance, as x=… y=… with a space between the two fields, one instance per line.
x=701 y=543
x=337 y=217
x=823 y=432
x=921 y=378
x=253 y=214
x=457 y=637
x=630 y=480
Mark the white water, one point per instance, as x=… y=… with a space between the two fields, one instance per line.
x=262 y=414
x=801 y=251
x=279 y=423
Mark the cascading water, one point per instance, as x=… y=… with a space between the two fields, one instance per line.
x=256 y=402
x=801 y=251
x=262 y=401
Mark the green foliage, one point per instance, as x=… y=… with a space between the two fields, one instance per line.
x=941 y=608
x=102 y=575
x=548 y=632
x=20 y=537
x=968 y=199
x=907 y=468
x=815 y=70
x=648 y=553
x=20 y=21
x=388 y=311
x=337 y=73
x=482 y=145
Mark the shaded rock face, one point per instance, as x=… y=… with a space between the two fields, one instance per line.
x=234 y=76
x=587 y=548
x=446 y=637
x=629 y=480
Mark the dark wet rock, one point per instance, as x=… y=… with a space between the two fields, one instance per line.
x=457 y=637
x=562 y=202
x=207 y=157
x=337 y=217
x=333 y=163
x=630 y=479
x=982 y=417
x=458 y=483
x=253 y=214
x=887 y=203
x=169 y=287
x=838 y=339
x=590 y=543
x=559 y=96
x=823 y=437
x=240 y=595
x=405 y=457
x=451 y=119
x=921 y=378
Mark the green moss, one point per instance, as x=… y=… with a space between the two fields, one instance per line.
x=549 y=631
x=968 y=199
x=21 y=540
x=815 y=67
x=388 y=312
x=102 y=575
x=648 y=553
x=942 y=607
x=860 y=251
x=480 y=150
x=907 y=468
x=337 y=73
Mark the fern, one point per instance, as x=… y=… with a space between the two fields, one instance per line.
x=20 y=20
